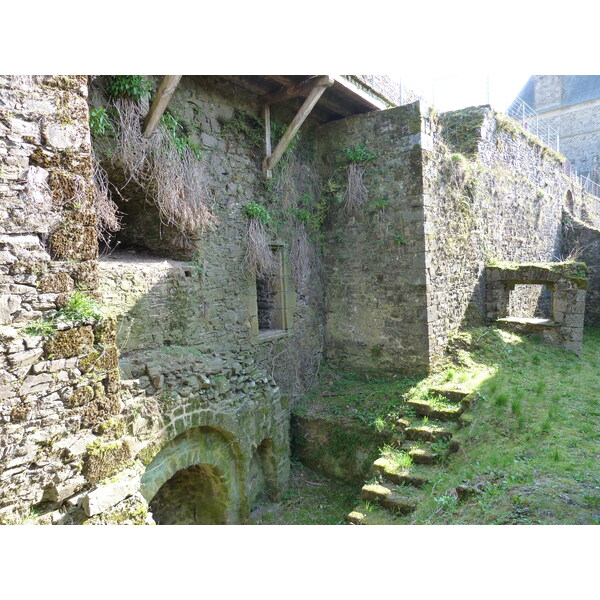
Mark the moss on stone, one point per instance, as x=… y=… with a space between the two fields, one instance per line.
x=70 y=343
x=114 y=428
x=101 y=408
x=80 y=396
x=105 y=459
x=74 y=239
x=20 y=413
x=105 y=332
x=85 y=275
x=55 y=283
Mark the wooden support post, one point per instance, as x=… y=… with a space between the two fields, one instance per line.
x=267 y=119
x=312 y=98
x=161 y=100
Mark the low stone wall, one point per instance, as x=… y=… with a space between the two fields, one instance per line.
x=568 y=284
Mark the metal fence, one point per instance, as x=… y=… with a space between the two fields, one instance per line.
x=530 y=120
x=520 y=111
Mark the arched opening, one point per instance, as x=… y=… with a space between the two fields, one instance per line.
x=196 y=495
x=569 y=201
x=197 y=477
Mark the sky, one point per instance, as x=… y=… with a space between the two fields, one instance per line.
x=452 y=91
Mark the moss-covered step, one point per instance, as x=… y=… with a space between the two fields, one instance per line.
x=396 y=499
x=415 y=475
x=427 y=433
x=443 y=411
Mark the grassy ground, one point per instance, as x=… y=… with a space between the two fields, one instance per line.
x=533 y=445
x=311 y=499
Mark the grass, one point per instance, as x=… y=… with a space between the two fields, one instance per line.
x=533 y=443
x=368 y=399
x=311 y=499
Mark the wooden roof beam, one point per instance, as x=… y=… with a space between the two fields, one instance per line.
x=301 y=89
x=318 y=89
x=159 y=104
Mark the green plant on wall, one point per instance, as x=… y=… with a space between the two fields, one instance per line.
x=359 y=154
x=134 y=87
x=80 y=307
x=254 y=210
x=179 y=136
x=100 y=123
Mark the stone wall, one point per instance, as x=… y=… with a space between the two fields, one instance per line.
x=59 y=377
x=375 y=261
x=492 y=193
x=72 y=443
x=585 y=240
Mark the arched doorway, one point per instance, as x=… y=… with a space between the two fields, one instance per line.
x=195 y=495
x=197 y=478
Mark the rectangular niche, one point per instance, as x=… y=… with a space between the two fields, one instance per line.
x=530 y=300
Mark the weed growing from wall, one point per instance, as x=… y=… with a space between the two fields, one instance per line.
x=259 y=258
x=355 y=195
x=80 y=307
x=165 y=164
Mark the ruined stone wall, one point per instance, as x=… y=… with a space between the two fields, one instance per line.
x=375 y=261
x=492 y=193
x=73 y=445
x=585 y=239
x=58 y=377
x=209 y=301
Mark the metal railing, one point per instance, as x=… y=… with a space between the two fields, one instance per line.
x=520 y=111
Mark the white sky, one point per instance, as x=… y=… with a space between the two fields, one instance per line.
x=451 y=91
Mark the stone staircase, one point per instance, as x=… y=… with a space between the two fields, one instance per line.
x=418 y=451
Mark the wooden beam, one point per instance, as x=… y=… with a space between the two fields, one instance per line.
x=301 y=89
x=364 y=98
x=313 y=97
x=267 y=119
x=246 y=84
x=160 y=102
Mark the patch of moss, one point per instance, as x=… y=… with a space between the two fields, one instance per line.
x=105 y=332
x=70 y=343
x=74 y=240
x=114 y=428
x=55 y=283
x=20 y=413
x=101 y=408
x=105 y=459
x=80 y=396
x=85 y=275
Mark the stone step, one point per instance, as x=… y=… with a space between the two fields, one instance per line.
x=412 y=475
x=388 y=497
x=427 y=433
x=422 y=456
x=453 y=395
x=443 y=413
x=355 y=518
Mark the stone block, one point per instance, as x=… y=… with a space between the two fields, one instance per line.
x=104 y=497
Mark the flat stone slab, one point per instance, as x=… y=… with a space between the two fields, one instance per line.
x=531 y=322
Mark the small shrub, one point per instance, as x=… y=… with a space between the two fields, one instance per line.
x=359 y=154
x=99 y=122
x=80 y=308
x=253 y=210
x=134 y=87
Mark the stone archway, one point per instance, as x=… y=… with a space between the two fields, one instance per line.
x=196 y=478
x=196 y=495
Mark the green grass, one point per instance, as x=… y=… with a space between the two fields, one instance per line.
x=310 y=499
x=534 y=441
